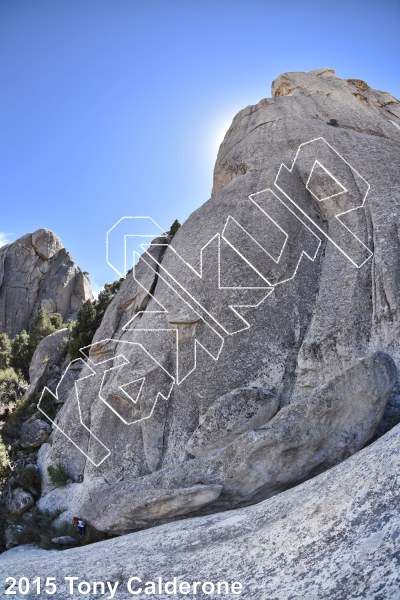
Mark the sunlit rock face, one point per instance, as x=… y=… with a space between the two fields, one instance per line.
x=284 y=281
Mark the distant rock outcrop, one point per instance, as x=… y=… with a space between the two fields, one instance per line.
x=36 y=271
x=285 y=280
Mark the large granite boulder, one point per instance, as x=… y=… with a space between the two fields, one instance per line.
x=234 y=413
x=20 y=501
x=34 y=433
x=284 y=279
x=49 y=354
x=46 y=243
x=36 y=271
x=148 y=505
x=335 y=536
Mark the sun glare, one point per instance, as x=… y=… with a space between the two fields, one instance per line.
x=218 y=134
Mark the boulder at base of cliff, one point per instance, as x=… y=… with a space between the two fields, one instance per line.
x=34 y=433
x=234 y=413
x=302 y=440
x=20 y=501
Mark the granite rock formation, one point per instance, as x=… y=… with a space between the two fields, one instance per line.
x=36 y=271
x=48 y=359
x=335 y=536
x=284 y=280
x=20 y=501
x=34 y=433
x=302 y=440
x=234 y=413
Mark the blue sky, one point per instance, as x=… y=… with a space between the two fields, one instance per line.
x=112 y=108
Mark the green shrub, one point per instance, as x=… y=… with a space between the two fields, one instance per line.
x=23 y=345
x=63 y=345
x=105 y=298
x=332 y=122
x=5 y=351
x=29 y=479
x=39 y=528
x=4 y=462
x=10 y=386
x=84 y=329
x=21 y=352
x=47 y=406
x=21 y=408
x=56 y=321
x=57 y=475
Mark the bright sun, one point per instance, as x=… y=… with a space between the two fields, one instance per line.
x=220 y=134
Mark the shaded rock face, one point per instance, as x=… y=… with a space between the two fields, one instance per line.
x=36 y=271
x=284 y=279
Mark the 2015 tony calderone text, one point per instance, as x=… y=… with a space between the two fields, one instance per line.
x=135 y=585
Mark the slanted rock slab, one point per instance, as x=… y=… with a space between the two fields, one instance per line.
x=333 y=537
x=146 y=505
x=234 y=413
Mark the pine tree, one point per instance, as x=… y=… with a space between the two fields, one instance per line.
x=9 y=386
x=89 y=318
x=174 y=228
x=5 y=351
x=105 y=297
x=84 y=329
x=40 y=328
